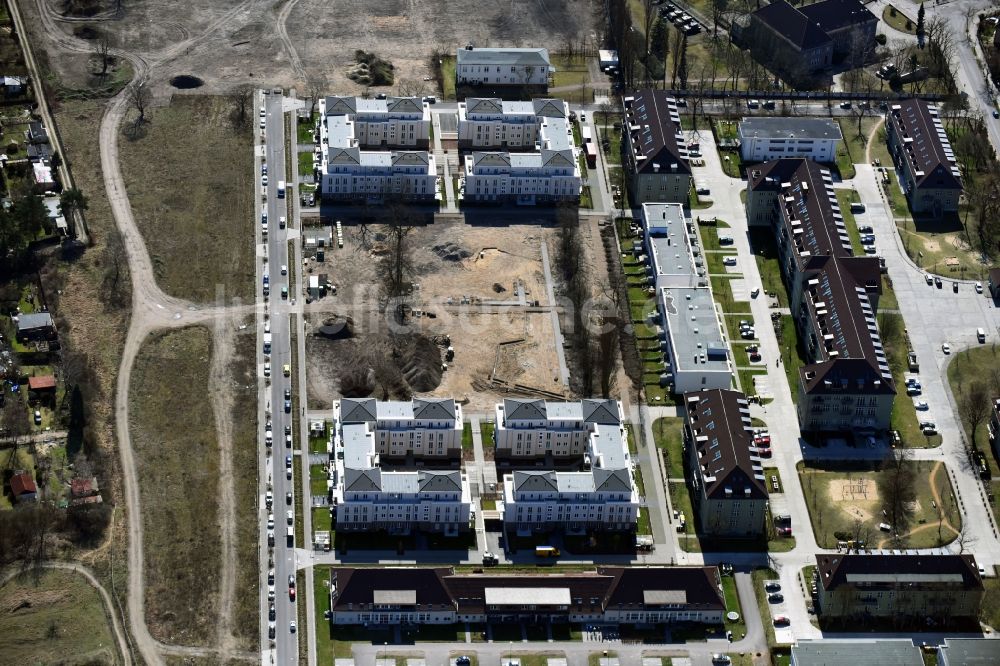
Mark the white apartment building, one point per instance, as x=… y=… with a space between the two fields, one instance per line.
x=422 y=427
x=549 y=174
x=502 y=67
x=348 y=172
x=601 y=496
x=367 y=498
x=763 y=139
x=530 y=428
x=492 y=123
x=396 y=122
x=696 y=351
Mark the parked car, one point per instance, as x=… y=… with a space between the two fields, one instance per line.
x=776 y=598
x=979 y=287
x=946 y=348
x=772 y=587
x=781 y=621
x=729 y=261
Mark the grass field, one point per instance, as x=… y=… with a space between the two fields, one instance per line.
x=904 y=415
x=55 y=617
x=990 y=611
x=979 y=365
x=191 y=185
x=246 y=609
x=613 y=154
x=832 y=507
x=898 y=21
x=570 y=71
x=765 y=253
x=723 y=292
x=178 y=484
x=793 y=354
x=668 y=432
x=845 y=198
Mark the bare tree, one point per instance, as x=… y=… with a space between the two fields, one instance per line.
x=102 y=48
x=648 y=19
x=116 y=280
x=241 y=96
x=974 y=406
x=606 y=348
x=317 y=87
x=411 y=88
x=719 y=8
x=897 y=488
x=139 y=99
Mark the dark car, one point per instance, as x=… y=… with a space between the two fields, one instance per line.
x=773 y=587
x=288 y=498
x=271 y=613
x=776 y=598
x=462 y=661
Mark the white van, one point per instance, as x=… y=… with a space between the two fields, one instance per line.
x=981 y=335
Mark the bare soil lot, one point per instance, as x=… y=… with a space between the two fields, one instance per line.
x=474 y=268
x=173 y=434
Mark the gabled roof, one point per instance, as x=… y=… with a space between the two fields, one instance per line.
x=637 y=587
x=404 y=104
x=557 y=157
x=358 y=410
x=612 y=480
x=439 y=481
x=539 y=481
x=344 y=105
x=792 y=24
x=552 y=108
x=344 y=155
x=433 y=408
x=22 y=484
x=604 y=412
x=490 y=159
x=41 y=382
x=924 y=144
x=358 y=480
x=523 y=409
x=484 y=105
x=354 y=588
x=502 y=56
x=892 y=570
x=653 y=123
x=410 y=157
x=719 y=422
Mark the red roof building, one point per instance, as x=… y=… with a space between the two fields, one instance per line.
x=42 y=383
x=23 y=487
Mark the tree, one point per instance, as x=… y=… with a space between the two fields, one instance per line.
x=682 y=69
x=116 y=285
x=897 y=488
x=72 y=201
x=241 y=97
x=649 y=18
x=139 y=98
x=920 y=26
x=974 y=406
x=719 y=8
x=677 y=41
x=605 y=109
x=317 y=86
x=102 y=48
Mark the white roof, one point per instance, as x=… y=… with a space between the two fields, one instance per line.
x=520 y=596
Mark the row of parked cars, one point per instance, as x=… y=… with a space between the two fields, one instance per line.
x=680 y=18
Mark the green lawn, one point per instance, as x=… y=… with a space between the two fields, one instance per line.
x=897 y=200
x=668 y=433
x=746 y=379
x=990 y=611
x=448 y=77
x=793 y=354
x=695 y=202
x=486 y=433
x=322 y=520
x=845 y=161
x=613 y=154
x=830 y=505
x=713 y=261
x=317 y=480
x=723 y=292
x=733 y=604
x=304 y=130
x=570 y=71
x=305 y=164
x=680 y=500
x=467 y=444
x=766 y=254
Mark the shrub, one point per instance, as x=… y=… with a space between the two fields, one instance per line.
x=880 y=39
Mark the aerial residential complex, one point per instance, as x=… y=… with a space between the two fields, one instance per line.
x=763 y=139
x=384 y=596
x=696 y=350
x=907 y=587
x=502 y=67
x=367 y=498
x=847 y=384
x=492 y=128
x=600 y=496
x=656 y=155
x=919 y=145
x=727 y=477
x=355 y=163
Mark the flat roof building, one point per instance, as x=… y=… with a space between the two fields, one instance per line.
x=697 y=352
x=969 y=652
x=856 y=652
x=769 y=138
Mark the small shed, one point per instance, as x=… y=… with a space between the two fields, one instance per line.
x=23 y=487
x=314 y=286
x=609 y=58
x=35 y=326
x=80 y=487
x=42 y=388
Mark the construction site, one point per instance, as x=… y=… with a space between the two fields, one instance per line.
x=480 y=321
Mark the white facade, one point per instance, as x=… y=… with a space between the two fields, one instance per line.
x=764 y=139
x=696 y=351
x=549 y=174
x=347 y=172
x=601 y=497
x=504 y=67
x=397 y=122
x=366 y=498
x=490 y=123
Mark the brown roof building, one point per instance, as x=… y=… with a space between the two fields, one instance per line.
x=726 y=473
x=902 y=586
x=846 y=383
x=607 y=594
x=657 y=168
x=920 y=148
